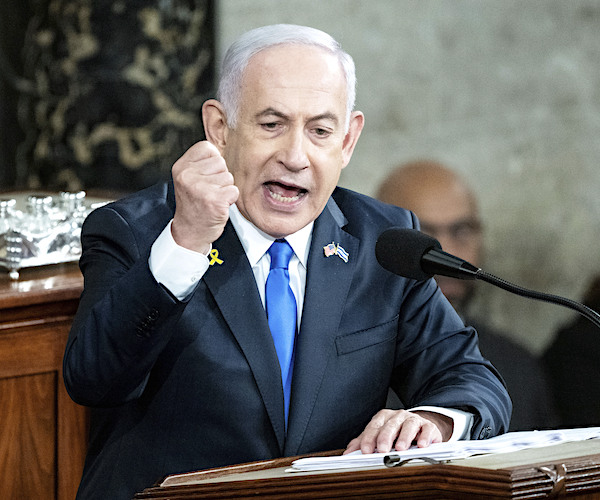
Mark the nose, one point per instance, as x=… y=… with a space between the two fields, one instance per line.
x=293 y=150
x=450 y=245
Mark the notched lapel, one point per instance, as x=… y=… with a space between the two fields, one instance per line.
x=233 y=287
x=327 y=284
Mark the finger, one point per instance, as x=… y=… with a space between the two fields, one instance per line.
x=187 y=171
x=388 y=433
x=369 y=436
x=353 y=445
x=408 y=431
x=202 y=157
x=230 y=194
x=200 y=151
x=368 y=442
x=429 y=434
x=223 y=179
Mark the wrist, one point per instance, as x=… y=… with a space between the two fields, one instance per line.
x=444 y=423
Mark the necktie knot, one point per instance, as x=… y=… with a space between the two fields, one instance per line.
x=281 y=253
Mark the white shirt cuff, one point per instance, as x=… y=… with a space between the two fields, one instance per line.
x=463 y=421
x=175 y=267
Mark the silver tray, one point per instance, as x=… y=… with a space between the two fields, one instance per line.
x=39 y=229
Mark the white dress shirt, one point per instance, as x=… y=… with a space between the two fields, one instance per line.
x=180 y=269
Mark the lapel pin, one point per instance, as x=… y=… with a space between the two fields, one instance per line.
x=214 y=258
x=333 y=249
x=342 y=254
x=330 y=249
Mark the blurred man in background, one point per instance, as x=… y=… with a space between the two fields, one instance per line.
x=571 y=360
x=447 y=210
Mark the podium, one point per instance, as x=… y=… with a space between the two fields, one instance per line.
x=44 y=434
x=570 y=470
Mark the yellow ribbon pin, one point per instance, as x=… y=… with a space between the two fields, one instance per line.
x=214 y=257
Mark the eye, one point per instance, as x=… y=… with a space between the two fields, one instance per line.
x=270 y=125
x=322 y=132
x=464 y=230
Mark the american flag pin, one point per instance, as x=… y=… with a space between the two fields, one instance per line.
x=330 y=249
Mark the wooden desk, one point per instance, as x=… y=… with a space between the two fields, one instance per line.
x=43 y=433
x=565 y=470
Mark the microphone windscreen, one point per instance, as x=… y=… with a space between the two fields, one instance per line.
x=400 y=250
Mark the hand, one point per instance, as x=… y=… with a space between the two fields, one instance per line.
x=204 y=190
x=399 y=429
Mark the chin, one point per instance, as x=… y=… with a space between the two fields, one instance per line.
x=280 y=224
x=279 y=228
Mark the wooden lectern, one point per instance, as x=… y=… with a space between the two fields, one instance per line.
x=564 y=470
x=43 y=436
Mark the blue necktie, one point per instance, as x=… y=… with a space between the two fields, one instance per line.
x=281 y=313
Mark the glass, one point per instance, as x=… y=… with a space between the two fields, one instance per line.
x=462 y=231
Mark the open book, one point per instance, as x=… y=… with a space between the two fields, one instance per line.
x=441 y=452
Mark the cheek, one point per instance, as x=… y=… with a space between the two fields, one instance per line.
x=241 y=162
x=329 y=169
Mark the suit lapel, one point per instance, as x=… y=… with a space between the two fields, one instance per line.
x=327 y=283
x=233 y=287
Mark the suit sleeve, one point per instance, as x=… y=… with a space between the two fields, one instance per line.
x=124 y=320
x=439 y=363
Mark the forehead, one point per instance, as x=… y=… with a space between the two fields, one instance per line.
x=288 y=75
x=442 y=206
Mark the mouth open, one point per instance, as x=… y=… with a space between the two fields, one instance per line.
x=284 y=193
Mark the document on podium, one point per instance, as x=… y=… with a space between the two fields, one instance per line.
x=442 y=452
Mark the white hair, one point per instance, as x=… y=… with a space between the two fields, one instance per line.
x=250 y=43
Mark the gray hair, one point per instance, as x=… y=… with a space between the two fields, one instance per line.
x=252 y=42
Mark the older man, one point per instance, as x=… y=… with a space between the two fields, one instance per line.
x=238 y=313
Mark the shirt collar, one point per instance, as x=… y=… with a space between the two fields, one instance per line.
x=257 y=242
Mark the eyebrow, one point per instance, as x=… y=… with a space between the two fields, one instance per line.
x=273 y=112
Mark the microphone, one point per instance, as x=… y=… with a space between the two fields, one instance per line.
x=415 y=255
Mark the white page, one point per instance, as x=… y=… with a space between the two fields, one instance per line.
x=512 y=441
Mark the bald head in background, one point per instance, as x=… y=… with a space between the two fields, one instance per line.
x=447 y=210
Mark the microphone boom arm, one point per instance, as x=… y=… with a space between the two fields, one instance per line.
x=582 y=309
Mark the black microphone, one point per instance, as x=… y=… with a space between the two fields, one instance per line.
x=415 y=255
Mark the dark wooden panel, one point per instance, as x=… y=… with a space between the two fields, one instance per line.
x=27 y=350
x=28 y=436
x=43 y=434
x=72 y=440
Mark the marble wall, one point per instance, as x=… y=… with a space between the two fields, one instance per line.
x=110 y=91
x=507 y=93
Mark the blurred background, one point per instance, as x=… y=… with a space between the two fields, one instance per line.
x=106 y=95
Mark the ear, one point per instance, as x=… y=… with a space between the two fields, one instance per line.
x=215 y=123
x=357 y=122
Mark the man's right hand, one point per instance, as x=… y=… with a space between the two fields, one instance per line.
x=204 y=190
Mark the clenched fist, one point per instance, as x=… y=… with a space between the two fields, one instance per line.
x=204 y=190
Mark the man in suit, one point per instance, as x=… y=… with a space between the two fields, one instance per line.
x=447 y=209
x=171 y=346
x=571 y=361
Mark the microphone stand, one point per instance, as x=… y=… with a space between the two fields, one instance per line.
x=436 y=261
x=582 y=309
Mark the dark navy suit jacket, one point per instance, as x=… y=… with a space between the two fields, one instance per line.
x=180 y=386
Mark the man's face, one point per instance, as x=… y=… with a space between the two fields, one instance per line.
x=449 y=217
x=289 y=145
